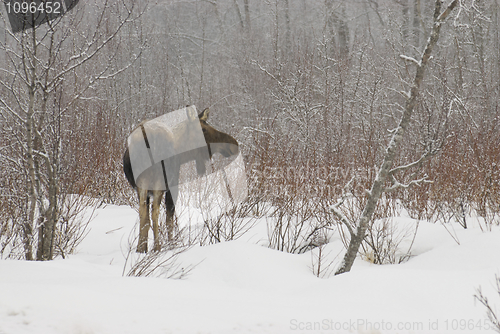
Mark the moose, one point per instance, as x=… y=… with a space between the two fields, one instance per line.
x=157 y=178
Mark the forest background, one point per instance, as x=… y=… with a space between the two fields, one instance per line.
x=309 y=88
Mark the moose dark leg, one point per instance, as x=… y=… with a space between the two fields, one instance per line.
x=157 y=197
x=170 y=205
x=142 y=245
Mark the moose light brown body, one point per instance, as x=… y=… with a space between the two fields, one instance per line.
x=163 y=177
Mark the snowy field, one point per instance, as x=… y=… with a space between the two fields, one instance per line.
x=243 y=287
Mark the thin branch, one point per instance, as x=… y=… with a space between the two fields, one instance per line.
x=426 y=156
x=93 y=53
x=397 y=185
x=335 y=208
x=410 y=59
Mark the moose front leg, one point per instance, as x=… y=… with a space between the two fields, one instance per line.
x=200 y=166
x=142 y=245
x=157 y=197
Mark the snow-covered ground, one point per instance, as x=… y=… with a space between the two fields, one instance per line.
x=243 y=287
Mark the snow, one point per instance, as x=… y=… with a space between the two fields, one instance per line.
x=243 y=287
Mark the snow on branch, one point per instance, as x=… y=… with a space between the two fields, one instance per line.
x=416 y=164
x=447 y=11
x=411 y=59
x=397 y=185
x=426 y=156
x=84 y=56
x=5 y=106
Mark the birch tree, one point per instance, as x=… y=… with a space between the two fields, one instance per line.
x=386 y=171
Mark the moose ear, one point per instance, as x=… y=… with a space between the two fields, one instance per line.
x=191 y=112
x=203 y=116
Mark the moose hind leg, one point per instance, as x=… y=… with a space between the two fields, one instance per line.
x=142 y=245
x=170 y=206
x=157 y=197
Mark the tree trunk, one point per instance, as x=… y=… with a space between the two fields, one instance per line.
x=288 y=33
x=32 y=194
x=343 y=30
x=416 y=23
x=406 y=20
x=247 y=15
x=238 y=13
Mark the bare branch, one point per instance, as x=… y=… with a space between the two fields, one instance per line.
x=335 y=208
x=87 y=57
x=413 y=60
x=397 y=185
x=426 y=156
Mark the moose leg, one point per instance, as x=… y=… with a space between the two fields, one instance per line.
x=157 y=197
x=170 y=205
x=142 y=245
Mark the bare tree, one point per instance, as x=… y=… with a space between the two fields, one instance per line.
x=386 y=170
x=41 y=79
x=337 y=19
